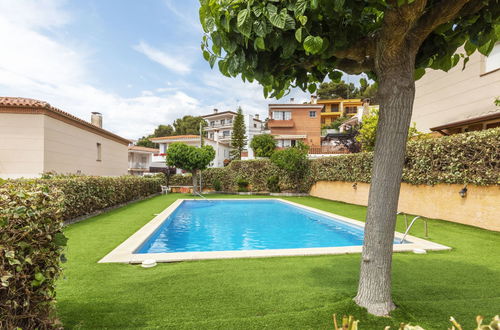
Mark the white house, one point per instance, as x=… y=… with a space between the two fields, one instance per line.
x=220 y=127
x=222 y=149
x=140 y=159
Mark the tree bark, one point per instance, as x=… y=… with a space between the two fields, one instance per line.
x=395 y=70
x=194 y=181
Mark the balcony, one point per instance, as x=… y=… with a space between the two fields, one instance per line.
x=273 y=123
x=138 y=166
x=219 y=125
x=159 y=158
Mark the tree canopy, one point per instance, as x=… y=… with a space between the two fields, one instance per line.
x=263 y=145
x=182 y=126
x=341 y=89
x=284 y=44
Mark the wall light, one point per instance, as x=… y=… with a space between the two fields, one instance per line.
x=355 y=186
x=463 y=192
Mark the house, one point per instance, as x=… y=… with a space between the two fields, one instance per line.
x=290 y=123
x=336 y=108
x=220 y=127
x=460 y=100
x=222 y=150
x=36 y=138
x=140 y=159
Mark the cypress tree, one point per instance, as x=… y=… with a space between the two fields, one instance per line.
x=238 y=137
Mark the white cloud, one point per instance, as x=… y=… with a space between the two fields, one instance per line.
x=36 y=66
x=170 y=62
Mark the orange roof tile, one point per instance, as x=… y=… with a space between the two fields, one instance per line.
x=141 y=148
x=32 y=106
x=174 y=137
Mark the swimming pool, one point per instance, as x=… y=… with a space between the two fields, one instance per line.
x=237 y=228
x=226 y=225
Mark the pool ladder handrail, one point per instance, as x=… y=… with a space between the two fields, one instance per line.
x=408 y=227
x=197 y=193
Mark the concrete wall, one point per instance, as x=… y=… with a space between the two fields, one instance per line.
x=445 y=97
x=68 y=149
x=21 y=145
x=480 y=208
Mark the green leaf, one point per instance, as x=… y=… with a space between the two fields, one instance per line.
x=60 y=239
x=289 y=22
x=259 y=43
x=300 y=8
x=469 y=48
x=298 y=34
x=419 y=73
x=336 y=76
x=339 y=5
x=313 y=44
x=212 y=60
x=311 y=88
x=259 y=27
x=314 y=4
x=242 y=17
x=303 y=20
x=279 y=19
x=209 y=24
x=206 y=55
x=257 y=11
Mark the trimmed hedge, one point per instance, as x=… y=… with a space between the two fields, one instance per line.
x=472 y=158
x=87 y=194
x=31 y=241
x=31 y=244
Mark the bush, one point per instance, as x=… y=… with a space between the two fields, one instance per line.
x=242 y=185
x=273 y=184
x=293 y=160
x=216 y=184
x=263 y=145
x=462 y=158
x=31 y=246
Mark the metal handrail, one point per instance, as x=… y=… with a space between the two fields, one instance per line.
x=197 y=193
x=411 y=225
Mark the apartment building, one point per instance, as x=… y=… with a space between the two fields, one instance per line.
x=36 y=138
x=290 y=123
x=140 y=159
x=222 y=150
x=335 y=108
x=460 y=100
x=220 y=127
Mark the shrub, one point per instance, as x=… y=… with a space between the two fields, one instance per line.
x=242 y=185
x=462 y=158
x=263 y=145
x=273 y=184
x=216 y=184
x=31 y=246
x=293 y=160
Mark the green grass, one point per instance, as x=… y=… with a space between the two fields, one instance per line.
x=274 y=293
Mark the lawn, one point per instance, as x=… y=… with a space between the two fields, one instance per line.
x=274 y=293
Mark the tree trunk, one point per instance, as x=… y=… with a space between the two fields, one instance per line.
x=396 y=93
x=194 y=182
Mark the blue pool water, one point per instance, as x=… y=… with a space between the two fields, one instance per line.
x=224 y=225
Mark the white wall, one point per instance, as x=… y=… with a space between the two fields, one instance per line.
x=445 y=97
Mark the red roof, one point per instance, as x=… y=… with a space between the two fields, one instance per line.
x=175 y=137
x=141 y=148
x=32 y=106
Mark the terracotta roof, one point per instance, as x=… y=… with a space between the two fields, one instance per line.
x=31 y=106
x=141 y=148
x=219 y=113
x=174 y=137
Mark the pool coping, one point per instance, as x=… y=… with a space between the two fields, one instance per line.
x=124 y=253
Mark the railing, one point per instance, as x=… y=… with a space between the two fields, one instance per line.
x=322 y=150
x=408 y=227
x=139 y=165
x=220 y=125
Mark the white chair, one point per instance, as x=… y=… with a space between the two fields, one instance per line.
x=164 y=190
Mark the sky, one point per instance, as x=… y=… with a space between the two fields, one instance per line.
x=139 y=63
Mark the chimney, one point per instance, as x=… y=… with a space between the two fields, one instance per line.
x=96 y=119
x=314 y=99
x=216 y=110
x=292 y=100
x=256 y=116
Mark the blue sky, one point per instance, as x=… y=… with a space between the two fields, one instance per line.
x=137 y=62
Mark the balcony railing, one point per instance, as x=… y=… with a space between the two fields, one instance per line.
x=327 y=150
x=137 y=165
x=218 y=125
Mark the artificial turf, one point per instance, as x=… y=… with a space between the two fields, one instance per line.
x=273 y=293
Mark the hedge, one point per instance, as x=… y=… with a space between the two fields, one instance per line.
x=31 y=243
x=86 y=194
x=468 y=158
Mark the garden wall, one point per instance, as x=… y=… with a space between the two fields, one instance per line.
x=479 y=208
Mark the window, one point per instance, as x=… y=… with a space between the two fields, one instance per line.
x=211 y=135
x=222 y=121
x=351 y=109
x=98 y=152
x=492 y=62
x=226 y=133
x=212 y=123
x=312 y=114
x=254 y=125
x=334 y=108
x=282 y=115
